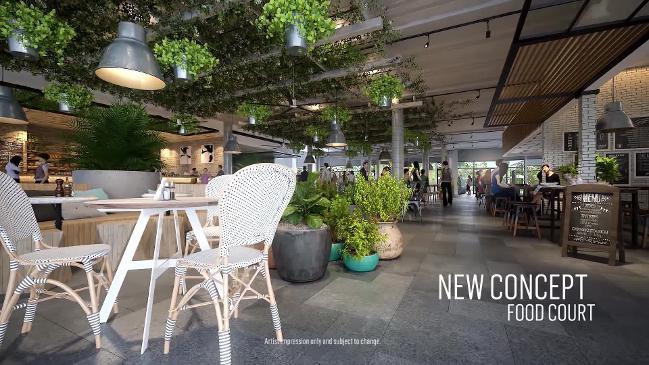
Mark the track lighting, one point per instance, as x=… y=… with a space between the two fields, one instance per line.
x=427 y=41
x=488 y=32
x=478 y=96
x=472 y=120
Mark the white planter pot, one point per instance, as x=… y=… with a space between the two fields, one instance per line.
x=118 y=184
x=295 y=42
x=394 y=244
x=18 y=49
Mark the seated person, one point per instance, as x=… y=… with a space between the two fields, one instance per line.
x=550 y=177
x=499 y=188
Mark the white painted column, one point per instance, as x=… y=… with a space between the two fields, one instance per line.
x=452 y=164
x=587 y=135
x=227 y=157
x=397 y=143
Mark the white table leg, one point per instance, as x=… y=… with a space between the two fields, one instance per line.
x=124 y=265
x=179 y=253
x=152 y=281
x=198 y=229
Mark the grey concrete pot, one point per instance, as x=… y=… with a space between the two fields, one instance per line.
x=118 y=184
x=18 y=49
x=301 y=255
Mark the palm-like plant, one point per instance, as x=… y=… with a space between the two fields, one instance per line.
x=116 y=138
x=307 y=205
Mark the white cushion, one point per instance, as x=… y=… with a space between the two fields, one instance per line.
x=240 y=256
x=66 y=254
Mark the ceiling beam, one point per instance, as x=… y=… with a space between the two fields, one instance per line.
x=412 y=104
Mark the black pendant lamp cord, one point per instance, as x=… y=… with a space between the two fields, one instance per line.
x=613 y=88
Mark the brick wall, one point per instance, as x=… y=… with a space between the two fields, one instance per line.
x=565 y=120
x=12 y=142
x=171 y=157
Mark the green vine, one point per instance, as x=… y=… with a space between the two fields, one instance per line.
x=183 y=52
x=187 y=121
x=384 y=85
x=310 y=16
x=260 y=112
x=36 y=29
x=76 y=96
x=341 y=114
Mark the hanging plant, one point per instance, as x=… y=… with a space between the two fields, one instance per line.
x=43 y=32
x=76 y=97
x=259 y=112
x=417 y=138
x=296 y=146
x=341 y=114
x=310 y=16
x=364 y=148
x=317 y=152
x=193 y=57
x=384 y=86
x=187 y=123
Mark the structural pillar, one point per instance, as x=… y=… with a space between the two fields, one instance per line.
x=452 y=164
x=587 y=135
x=227 y=157
x=425 y=158
x=397 y=143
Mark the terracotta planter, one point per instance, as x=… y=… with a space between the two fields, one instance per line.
x=393 y=245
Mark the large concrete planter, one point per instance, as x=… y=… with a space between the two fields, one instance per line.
x=118 y=184
x=301 y=254
x=393 y=245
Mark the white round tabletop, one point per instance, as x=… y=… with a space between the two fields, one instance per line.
x=60 y=199
x=178 y=195
x=148 y=203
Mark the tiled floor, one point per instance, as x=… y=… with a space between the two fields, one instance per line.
x=397 y=306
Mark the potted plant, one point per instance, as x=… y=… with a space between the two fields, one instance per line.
x=69 y=96
x=383 y=89
x=187 y=58
x=361 y=238
x=301 y=22
x=302 y=243
x=30 y=32
x=254 y=112
x=185 y=123
x=384 y=201
x=115 y=149
x=338 y=212
x=569 y=173
x=607 y=169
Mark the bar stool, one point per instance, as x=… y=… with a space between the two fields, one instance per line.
x=499 y=205
x=528 y=210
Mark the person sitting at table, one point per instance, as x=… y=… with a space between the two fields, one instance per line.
x=13 y=168
x=499 y=188
x=42 y=172
x=205 y=176
x=550 y=176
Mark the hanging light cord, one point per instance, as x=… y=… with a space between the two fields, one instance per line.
x=613 y=88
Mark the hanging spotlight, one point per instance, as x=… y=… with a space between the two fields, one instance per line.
x=417 y=141
x=336 y=136
x=232 y=146
x=427 y=41
x=385 y=156
x=129 y=62
x=478 y=97
x=10 y=111
x=488 y=32
x=472 y=120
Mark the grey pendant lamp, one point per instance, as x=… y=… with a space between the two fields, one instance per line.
x=614 y=118
x=129 y=62
x=336 y=137
x=10 y=111
x=349 y=164
x=309 y=159
x=232 y=146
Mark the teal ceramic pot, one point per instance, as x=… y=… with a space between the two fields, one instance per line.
x=336 y=251
x=367 y=263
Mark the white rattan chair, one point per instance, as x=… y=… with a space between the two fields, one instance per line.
x=214 y=189
x=249 y=211
x=18 y=222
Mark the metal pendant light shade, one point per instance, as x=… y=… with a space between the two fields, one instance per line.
x=385 y=156
x=18 y=49
x=129 y=62
x=181 y=73
x=614 y=119
x=295 y=42
x=309 y=159
x=386 y=102
x=252 y=120
x=10 y=111
x=316 y=138
x=349 y=165
x=336 y=136
x=232 y=146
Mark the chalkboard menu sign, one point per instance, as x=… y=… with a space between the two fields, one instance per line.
x=637 y=137
x=642 y=164
x=571 y=141
x=591 y=219
x=602 y=141
x=623 y=161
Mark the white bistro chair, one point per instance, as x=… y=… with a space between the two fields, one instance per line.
x=249 y=211
x=30 y=271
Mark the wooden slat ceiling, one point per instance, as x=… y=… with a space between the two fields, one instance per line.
x=546 y=75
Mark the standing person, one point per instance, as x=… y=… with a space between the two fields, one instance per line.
x=304 y=175
x=326 y=173
x=351 y=178
x=205 y=176
x=220 y=172
x=42 y=172
x=364 y=171
x=406 y=176
x=13 y=168
x=385 y=171
x=447 y=187
x=469 y=184
x=414 y=176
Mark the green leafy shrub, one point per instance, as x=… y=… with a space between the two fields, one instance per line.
x=361 y=237
x=568 y=169
x=341 y=114
x=310 y=16
x=339 y=211
x=37 y=29
x=308 y=205
x=383 y=200
x=196 y=58
x=115 y=138
x=260 y=112
x=188 y=122
x=607 y=169
x=384 y=85
x=76 y=96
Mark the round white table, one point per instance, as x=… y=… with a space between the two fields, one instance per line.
x=148 y=208
x=57 y=201
x=178 y=195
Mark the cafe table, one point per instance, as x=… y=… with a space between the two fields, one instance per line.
x=57 y=202
x=148 y=208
